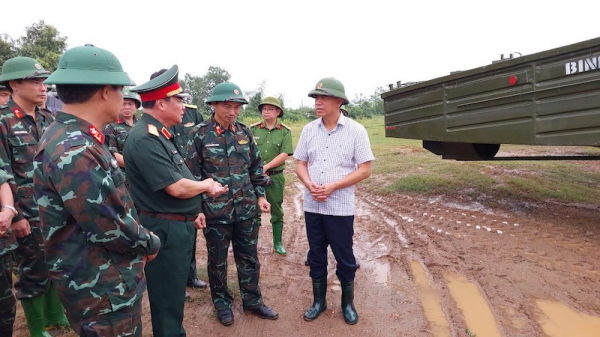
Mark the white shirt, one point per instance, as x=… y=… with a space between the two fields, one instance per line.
x=332 y=156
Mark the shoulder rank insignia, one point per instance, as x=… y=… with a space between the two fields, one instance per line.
x=165 y=132
x=152 y=130
x=97 y=134
x=18 y=112
x=285 y=126
x=255 y=124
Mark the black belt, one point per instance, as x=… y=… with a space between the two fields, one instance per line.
x=169 y=216
x=274 y=172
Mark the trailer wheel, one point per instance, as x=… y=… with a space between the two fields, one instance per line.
x=486 y=151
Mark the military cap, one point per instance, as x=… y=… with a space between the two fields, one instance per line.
x=344 y=110
x=3 y=87
x=89 y=65
x=162 y=86
x=270 y=100
x=227 y=92
x=127 y=94
x=329 y=86
x=21 y=67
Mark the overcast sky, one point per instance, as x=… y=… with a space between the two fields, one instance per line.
x=290 y=45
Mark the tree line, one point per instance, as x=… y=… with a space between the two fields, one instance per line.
x=44 y=43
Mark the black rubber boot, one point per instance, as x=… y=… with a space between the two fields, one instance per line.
x=319 y=303
x=350 y=315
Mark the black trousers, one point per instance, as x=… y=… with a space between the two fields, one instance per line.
x=335 y=231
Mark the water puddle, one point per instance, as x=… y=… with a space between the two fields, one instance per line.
x=561 y=321
x=431 y=303
x=477 y=314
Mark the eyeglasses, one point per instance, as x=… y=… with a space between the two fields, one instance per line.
x=269 y=109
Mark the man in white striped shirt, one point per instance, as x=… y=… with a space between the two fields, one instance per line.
x=333 y=155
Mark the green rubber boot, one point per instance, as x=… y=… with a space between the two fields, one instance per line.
x=54 y=313
x=350 y=314
x=34 y=313
x=319 y=302
x=277 y=232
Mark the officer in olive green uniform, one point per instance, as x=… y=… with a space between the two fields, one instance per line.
x=8 y=243
x=181 y=132
x=4 y=95
x=167 y=195
x=117 y=132
x=224 y=149
x=274 y=141
x=22 y=123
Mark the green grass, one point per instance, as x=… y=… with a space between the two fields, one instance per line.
x=403 y=166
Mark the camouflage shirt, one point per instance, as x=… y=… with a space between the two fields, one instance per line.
x=117 y=133
x=19 y=136
x=8 y=242
x=94 y=242
x=231 y=157
x=181 y=131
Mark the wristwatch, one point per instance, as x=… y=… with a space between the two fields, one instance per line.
x=14 y=210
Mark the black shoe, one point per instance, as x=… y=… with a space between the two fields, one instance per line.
x=225 y=316
x=262 y=311
x=196 y=283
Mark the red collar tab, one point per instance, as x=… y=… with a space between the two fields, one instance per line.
x=218 y=129
x=119 y=121
x=97 y=134
x=18 y=112
x=232 y=127
x=261 y=126
x=165 y=132
x=168 y=91
x=278 y=126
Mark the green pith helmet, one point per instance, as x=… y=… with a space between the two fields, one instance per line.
x=271 y=101
x=134 y=96
x=227 y=92
x=20 y=67
x=329 y=86
x=89 y=65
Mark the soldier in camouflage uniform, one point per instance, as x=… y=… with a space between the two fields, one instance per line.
x=224 y=149
x=168 y=197
x=274 y=141
x=4 y=95
x=22 y=123
x=117 y=131
x=96 y=248
x=181 y=132
x=8 y=243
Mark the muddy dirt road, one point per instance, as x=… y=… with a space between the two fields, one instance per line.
x=428 y=268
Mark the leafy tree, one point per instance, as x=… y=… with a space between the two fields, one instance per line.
x=43 y=43
x=200 y=87
x=8 y=49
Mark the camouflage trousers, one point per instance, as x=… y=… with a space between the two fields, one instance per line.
x=243 y=235
x=32 y=271
x=126 y=321
x=7 y=299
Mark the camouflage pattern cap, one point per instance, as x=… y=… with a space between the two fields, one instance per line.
x=329 y=86
x=227 y=92
x=21 y=67
x=89 y=65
